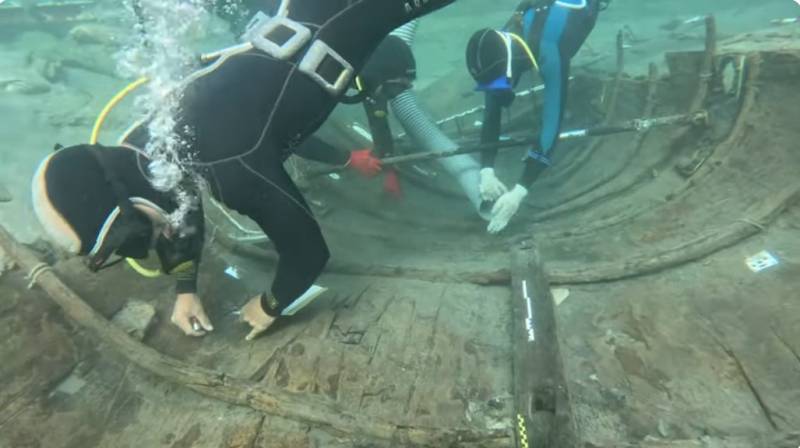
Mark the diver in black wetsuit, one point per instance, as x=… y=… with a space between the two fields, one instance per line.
x=391 y=69
x=547 y=33
x=242 y=115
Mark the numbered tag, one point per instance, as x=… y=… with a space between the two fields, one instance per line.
x=760 y=261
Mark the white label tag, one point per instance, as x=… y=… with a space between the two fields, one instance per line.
x=761 y=261
x=232 y=271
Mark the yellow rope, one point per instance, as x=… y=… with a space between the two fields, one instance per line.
x=98 y=124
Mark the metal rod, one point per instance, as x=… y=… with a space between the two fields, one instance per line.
x=637 y=125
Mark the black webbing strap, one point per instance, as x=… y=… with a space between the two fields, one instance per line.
x=119 y=189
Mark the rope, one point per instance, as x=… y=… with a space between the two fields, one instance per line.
x=34 y=273
x=753 y=223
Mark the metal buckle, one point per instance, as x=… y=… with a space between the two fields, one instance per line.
x=312 y=62
x=279 y=37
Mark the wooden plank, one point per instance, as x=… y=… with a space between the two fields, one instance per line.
x=117 y=405
x=35 y=348
x=308 y=408
x=542 y=412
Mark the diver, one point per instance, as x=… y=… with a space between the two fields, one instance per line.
x=391 y=70
x=242 y=114
x=543 y=34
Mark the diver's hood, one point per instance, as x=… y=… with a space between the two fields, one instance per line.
x=487 y=56
x=86 y=193
x=127 y=232
x=392 y=59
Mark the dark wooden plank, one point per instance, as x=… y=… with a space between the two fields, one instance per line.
x=539 y=388
x=309 y=408
x=35 y=348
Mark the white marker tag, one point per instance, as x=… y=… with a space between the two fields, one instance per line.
x=761 y=261
x=232 y=271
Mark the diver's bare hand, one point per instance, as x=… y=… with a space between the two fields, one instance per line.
x=254 y=314
x=189 y=315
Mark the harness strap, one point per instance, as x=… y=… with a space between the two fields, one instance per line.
x=119 y=189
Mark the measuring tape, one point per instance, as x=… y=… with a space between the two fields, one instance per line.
x=522 y=431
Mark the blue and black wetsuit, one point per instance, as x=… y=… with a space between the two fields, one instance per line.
x=554 y=33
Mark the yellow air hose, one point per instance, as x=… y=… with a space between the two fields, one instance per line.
x=98 y=124
x=527 y=49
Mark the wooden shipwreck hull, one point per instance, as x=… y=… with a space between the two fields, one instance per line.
x=437 y=335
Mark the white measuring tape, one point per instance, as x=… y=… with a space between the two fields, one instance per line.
x=529 y=319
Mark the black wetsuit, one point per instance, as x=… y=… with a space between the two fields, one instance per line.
x=554 y=35
x=248 y=114
x=318 y=150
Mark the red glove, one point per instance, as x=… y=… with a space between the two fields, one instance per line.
x=391 y=184
x=364 y=162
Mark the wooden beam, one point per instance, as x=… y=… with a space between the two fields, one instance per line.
x=754 y=221
x=542 y=415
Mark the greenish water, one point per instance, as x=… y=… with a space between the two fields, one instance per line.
x=59 y=65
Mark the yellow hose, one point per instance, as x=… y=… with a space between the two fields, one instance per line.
x=111 y=105
x=141 y=270
x=98 y=124
x=527 y=49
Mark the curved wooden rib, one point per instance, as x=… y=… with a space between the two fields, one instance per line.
x=752 y=223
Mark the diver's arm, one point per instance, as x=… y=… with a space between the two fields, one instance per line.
x=378 y=119
x=555 y=72
x=533 y=169
x=180 y=254
x=490 y=132
x=316 y=149
x=188 y=313
x=319 y=151
x=180 y=257
x=186 y=278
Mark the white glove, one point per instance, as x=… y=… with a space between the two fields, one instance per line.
x=491 y=188
x=505 y=208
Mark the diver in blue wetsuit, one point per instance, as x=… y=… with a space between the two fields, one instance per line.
x=545 y=35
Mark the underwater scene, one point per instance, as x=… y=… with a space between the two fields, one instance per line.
x=399 y=223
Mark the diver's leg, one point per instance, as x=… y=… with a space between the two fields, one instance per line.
x=555 y=72
x=562 y=37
